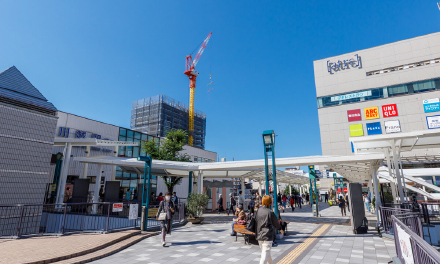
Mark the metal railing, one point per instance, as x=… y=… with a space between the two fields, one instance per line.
x=419 y=251
x=57 y=219
x=385 y=217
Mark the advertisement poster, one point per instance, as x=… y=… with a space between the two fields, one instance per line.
x=405 y=245
x=133 y=213
x=431 y=105
x=389 y=110
x=392 y=126
x=374 y=128
x=117 y=207
x=433 y=122
x=371 y=112
x=356 y=130
x=354 y=115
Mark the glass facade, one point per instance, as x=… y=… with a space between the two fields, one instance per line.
x=130 y=180
x=377 y=93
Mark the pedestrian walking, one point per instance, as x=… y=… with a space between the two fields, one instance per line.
x=251 y=206
x=232 y=203
x=241 y=199
x=101 y=193
x=348 y=204
x=307 y=198
x=175 y=200
x=266 y=222
x=326 y=197
x=220 y=204
x=342 y=205
x=291 y=203
x=299 y=201
x=165 y=212
x=367 y=202
x=284 y=202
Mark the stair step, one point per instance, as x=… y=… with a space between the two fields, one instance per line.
x=109 y=250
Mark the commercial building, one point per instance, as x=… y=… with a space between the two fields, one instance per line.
x=70 y=126
x=387 y=89
x=27 y=122
x=158 y=114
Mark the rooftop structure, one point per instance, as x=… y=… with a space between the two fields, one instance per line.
x=159 y=114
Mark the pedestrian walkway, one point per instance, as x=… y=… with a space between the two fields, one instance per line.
x=328 y=214
x=306 y=243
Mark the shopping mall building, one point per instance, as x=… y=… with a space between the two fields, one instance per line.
x=387 y=89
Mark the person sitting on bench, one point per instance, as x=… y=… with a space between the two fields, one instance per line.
x=240 y=220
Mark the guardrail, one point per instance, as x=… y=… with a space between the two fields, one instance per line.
x=385 y=217
x=410 y=247
x=57 y=219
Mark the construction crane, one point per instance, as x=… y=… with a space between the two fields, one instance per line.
x=192 y=75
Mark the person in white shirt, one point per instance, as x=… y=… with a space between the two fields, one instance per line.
x=241 y=199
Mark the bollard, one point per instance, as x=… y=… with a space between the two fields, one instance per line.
x=143 y=218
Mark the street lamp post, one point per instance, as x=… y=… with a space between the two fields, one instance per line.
x=335 y=185
x=269 y=149
x=145 y=195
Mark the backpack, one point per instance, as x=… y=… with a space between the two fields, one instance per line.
x=233 y=202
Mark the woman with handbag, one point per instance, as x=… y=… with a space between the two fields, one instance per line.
x=165 y=216
x=266 y=222
x=342 y=205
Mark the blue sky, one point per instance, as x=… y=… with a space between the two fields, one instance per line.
x=93 y=58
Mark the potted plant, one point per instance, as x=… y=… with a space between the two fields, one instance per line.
x=195 y=205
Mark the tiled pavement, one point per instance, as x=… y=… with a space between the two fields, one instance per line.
x=211 y=243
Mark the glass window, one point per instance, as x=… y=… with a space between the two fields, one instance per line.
x=122 y=132
x=130 y=133
x=136 y=152
x=129 y=152
x=137 y=135
x=424 y=86
x=397 y=89
x=144 y=137
x=121 y=151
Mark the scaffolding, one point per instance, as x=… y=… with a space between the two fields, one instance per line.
x=159 y=114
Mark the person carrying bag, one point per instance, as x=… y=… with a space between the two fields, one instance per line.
x=165 y=216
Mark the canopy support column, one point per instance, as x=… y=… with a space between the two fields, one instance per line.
x=243 y=189
x=86 y=165
x=65 y=170
x=260 y=182
x=290 y=189
x=376 y=193
x=115 y=152
x=393 y=185
x=96 y=189
x=190 y=183
x=200 y=182
x=397 y=172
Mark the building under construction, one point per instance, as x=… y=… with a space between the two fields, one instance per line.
x=158 y=114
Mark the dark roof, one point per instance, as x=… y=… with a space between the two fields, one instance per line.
x=16 y=90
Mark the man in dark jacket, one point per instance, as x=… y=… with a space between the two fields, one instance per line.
x=266 y=224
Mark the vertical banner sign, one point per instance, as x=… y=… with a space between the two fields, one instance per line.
x=371 y=112
x=374 y=128
x=356 y=130
x=433 y=122
x=133 y=213
x=354 y=115
x=431 y=105
x=389 y=110
x=392 y=126
x=405 y=245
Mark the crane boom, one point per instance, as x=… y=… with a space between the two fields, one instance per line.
x=192 y=74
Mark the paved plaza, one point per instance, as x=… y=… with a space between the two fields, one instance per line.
x=329 y=240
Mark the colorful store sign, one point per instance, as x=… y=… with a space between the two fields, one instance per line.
x=374 y=128
x=431 y=105
x=356 y=130
x=392 y=126
x=389 y=110
x=371 y=112
x=433 y=122
x=354 y=115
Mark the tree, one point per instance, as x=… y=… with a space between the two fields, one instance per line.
x=168 y=149
x=287 y=191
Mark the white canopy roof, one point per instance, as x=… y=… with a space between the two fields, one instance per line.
x=355 y=168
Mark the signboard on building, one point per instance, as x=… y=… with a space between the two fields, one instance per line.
x=405 y=245
x=431 y=105
x=117 y=207
x=374 y=128
x=389 y=110
x=350 y=96
x=356 y=130
x=392 y=126
x=354 y=115
x=433 y=122
x=133 y=213
x=371 y=112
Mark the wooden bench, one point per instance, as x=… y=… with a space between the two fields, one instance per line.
x=241 y=229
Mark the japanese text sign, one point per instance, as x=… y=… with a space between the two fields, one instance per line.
x=433 y=122
x=117 y=207
x=354 y=115
x=371 y=112
x=431 y=105
x=392 y=126
x=389 y=110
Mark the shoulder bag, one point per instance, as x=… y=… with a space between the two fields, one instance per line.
x=252 y=226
